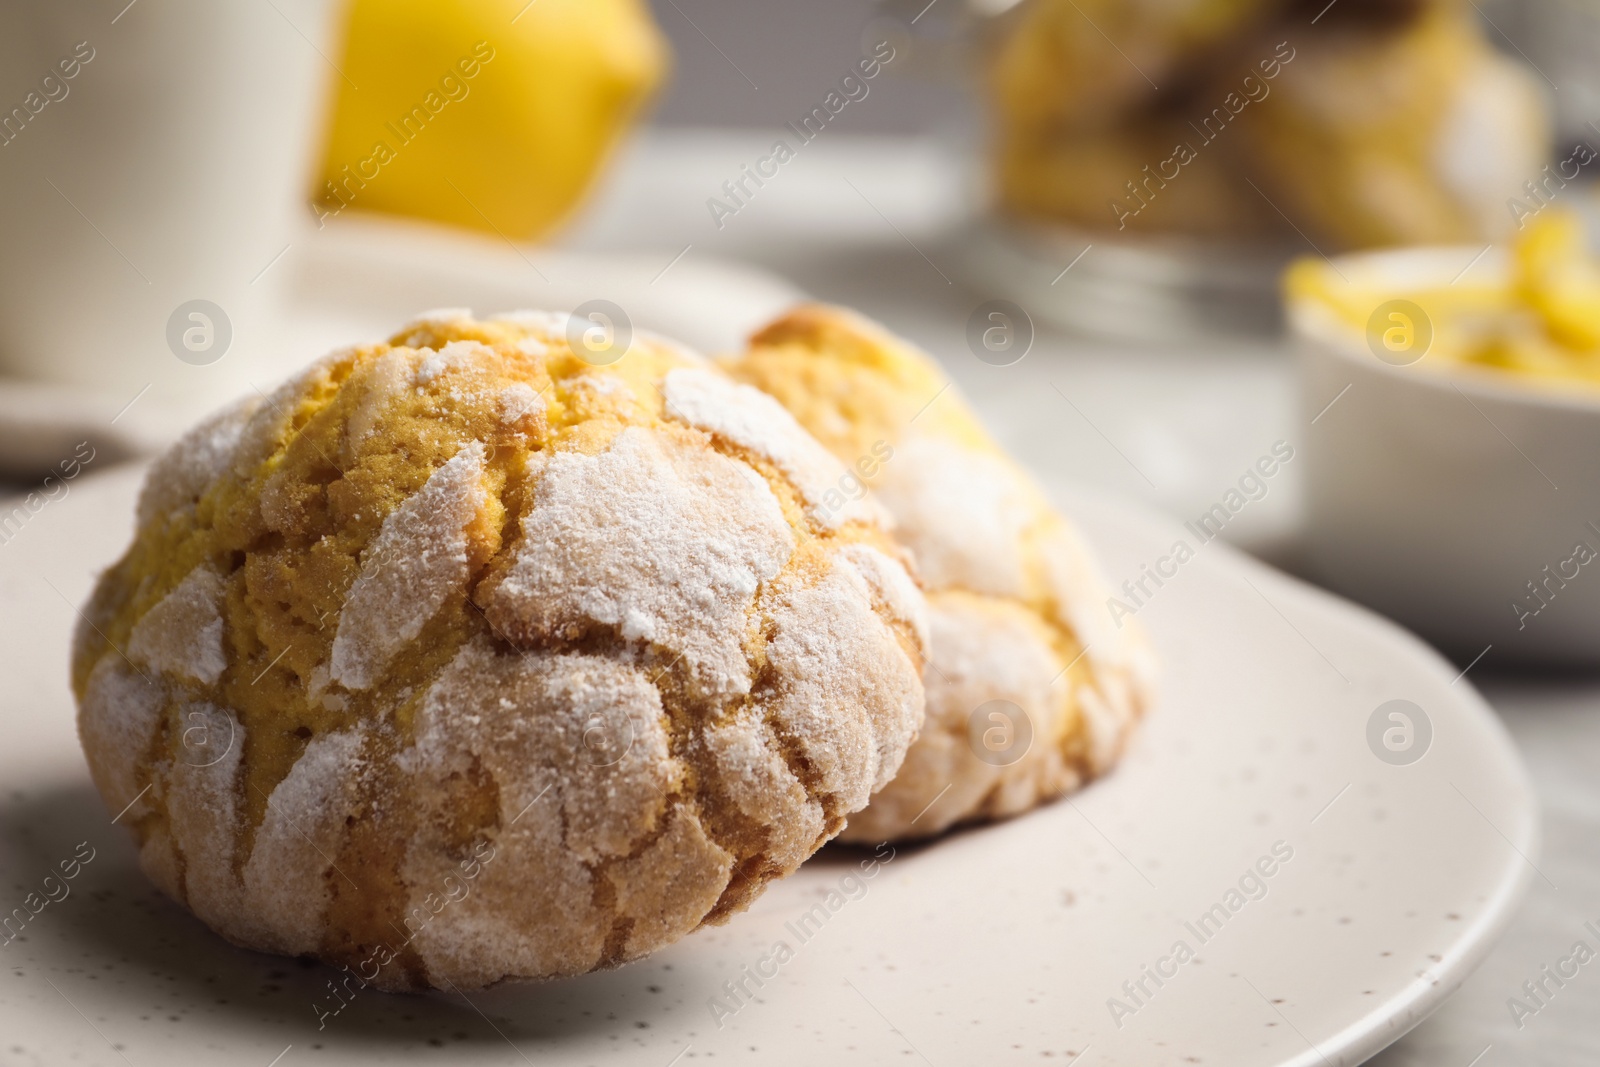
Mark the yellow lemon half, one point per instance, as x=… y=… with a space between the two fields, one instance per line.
x=491 y=114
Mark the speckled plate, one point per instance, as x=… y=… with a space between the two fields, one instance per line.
x=1255 y=886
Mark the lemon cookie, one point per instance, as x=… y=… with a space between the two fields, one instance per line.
x=1031 y=687
x=474 y=116
x=1408 y=133
x=1054 y=64
x=461 y=658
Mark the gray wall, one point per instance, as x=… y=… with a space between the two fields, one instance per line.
x=795 y=51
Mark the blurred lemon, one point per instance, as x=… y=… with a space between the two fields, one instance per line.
x=1557 y=278
x=1537 y=316
x=491 y=114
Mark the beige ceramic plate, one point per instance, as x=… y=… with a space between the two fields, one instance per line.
x=1033 y=941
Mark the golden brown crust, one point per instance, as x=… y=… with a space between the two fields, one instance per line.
x=459 y=659
x=1031 y=688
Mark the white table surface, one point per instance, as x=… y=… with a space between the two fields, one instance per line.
x=857 y=221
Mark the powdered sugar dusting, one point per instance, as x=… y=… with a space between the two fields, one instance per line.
x=518 y=403
x=182 y=635
x=988 y=650
x=417 y=561
x=668 y=888
x=845 y=693
x=962 y=513
x=576 y=745
x=1080 y=595
x=549 y=325
x=120 y=713
x=893 y=587
x=1124 y=678
x=752 y=775
x=202 y=791
x=455 y=355
x=602 y=384
x=183 y=474
x=389 y=377
x=418 y=330
x=285 y=877
x=658 y=537
x=491 y=931
x=982 y=649
x=751 y=419
x=438 y=317
x=597 y=721
x=270 y=424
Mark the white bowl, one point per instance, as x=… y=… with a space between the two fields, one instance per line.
x=1452 y=499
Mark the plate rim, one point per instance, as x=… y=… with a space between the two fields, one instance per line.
x=1374 y=1031
x=1099 y=514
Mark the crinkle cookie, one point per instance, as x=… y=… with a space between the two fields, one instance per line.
x=1399 y=134
x=1031 y=687
x=459 y=658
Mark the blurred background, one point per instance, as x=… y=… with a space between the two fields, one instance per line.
x=1085 y=209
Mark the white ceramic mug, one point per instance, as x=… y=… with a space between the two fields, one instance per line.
x=153 y=154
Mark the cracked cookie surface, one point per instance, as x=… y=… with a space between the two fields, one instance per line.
x=458 y=658
x=1018 y=623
